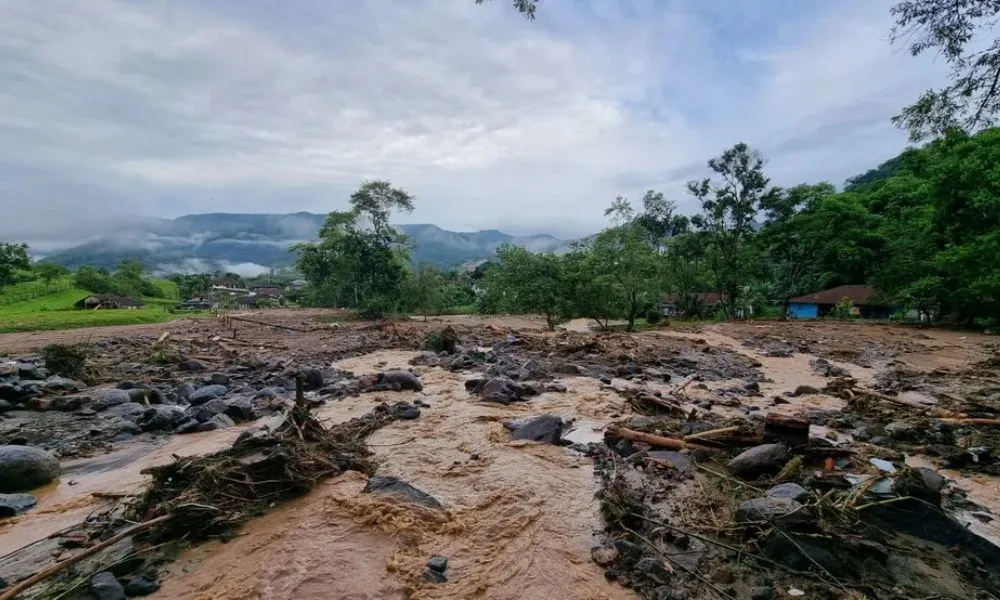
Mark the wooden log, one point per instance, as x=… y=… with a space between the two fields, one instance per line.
x=654 y=440
x=13 y=591
x=793 y=431
x=971 y=421
x=713 y=433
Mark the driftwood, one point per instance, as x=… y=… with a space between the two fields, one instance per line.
x=793 y=431
x=654 y=440
x=15 y=590
x=713 y=433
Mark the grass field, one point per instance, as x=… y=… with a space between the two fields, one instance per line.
x=50 y=307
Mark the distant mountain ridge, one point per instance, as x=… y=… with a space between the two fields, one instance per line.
x=249 y=243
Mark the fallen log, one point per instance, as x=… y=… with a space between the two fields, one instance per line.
x=15 y=590
x=793 y=431
x=654 y=440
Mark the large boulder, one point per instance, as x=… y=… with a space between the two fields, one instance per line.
x=240 y=409
x=110 y=397
x=204 y=412
x=184 y=391
x=204 y=394
x=24 y=468
x=760 y=460
x=219 y=421
x=394 y=486
x=161 y=417
x=543 y=428
x=15 y=504
x=56 y=384
x=313 y=379
x=501 y=389
x=130 y=411
x=104 y=586
x=402 y=380
x=71 y=402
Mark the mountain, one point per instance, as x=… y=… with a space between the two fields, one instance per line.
x=254 y=243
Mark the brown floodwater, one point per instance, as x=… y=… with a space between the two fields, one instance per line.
x=519 y=523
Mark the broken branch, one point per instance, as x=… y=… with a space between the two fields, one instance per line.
x=654 y=440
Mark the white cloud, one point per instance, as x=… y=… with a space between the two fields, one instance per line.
x=160 y=108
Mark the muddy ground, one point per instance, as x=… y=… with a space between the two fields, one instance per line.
x=575 y=508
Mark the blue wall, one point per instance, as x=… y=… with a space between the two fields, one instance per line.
x=804 y=311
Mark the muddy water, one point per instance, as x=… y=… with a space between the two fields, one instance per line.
x=519 y=522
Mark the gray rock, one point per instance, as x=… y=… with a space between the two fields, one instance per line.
x=900 y=430
x=405 y=380
x=543 y=428
x=5 y=406
x=191 y=365
x=438 y=563
x=861 y=434
x=184 y=391
x=679 y=461
x=15 y=504
x=770 y=509
x=503 y=390
x=313 y=379
x=104 y=586
x=408 y=412
x=161 y=417
x=140 y=586
x=271 y=392
x=793 y=491
x=204 y=394
x=216 y=422
x=62 y=384
x=71 y=402
x=107 y=398
x=24 y=468
x=923 y=483
x=130 y=411
x=761 y=460
x=204 y=412
x=188 y=426
x=218 y=379
x=394 y=486
x=240 y=409
x=138 y=395
x=29 y=370
x=762 y=592
x=805 y=390
x=555 y=387
x=123 y=426
x=435 y=576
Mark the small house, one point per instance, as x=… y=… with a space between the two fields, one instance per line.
x=198 y=303
x=107 y=301
x=677 y=305
x=267 y=291
x=864 y=301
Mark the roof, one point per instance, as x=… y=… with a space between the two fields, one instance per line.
x=859 y=295
x=111 y=298
x=707 y=298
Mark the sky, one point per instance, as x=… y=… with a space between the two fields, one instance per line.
x=112 y=108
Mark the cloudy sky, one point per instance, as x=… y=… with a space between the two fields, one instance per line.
x=160 y=108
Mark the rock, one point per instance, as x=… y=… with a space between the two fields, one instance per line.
x=271 y=392
x=240 y=409
x=606 y=380
x=604 y=556
x=161 y=417
x=543 y=428
x=204 y=394
x=394 y=486
x=107 y=398
x=155 y=396
x=793 y=491
x=140 y=586
x=15 y=504
x=653 y=569
x=216 y=422
x=555 y=387
x=435 y=576
x=24 y=468
x=137 y=395
x=188 y=426
x=191 y=365
x=531 y=370
x=29 y=370
x=438 y=563
x=205 y=412
x=8 y=368
x=762 y=592
x=218 y=379
x=900 y=430
x=62 y=384
x=405 y=380
x=184 y=391
x=805 y=390
x=501 y=389
x=679 y=461
x=121 y=425
x=761 y=460
x=130 y=411
x=923 y=483
x=408 y=412
x=10 y=391
x=70 y=403
x=770 y=509
x=752 y=386
x=104 y=586
x=5 y=406
x=313 y=379
x=861 y=434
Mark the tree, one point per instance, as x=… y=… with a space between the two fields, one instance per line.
x=13 y=258
x=728 y=207
x=522 y=281
x=588 y=294
x=49 y=271
x=525 y=7
x=425 y=287
x=949 y=28
x=93 y=280
x=360 y=259
x=623 y=257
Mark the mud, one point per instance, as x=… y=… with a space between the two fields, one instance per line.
x=522 y=519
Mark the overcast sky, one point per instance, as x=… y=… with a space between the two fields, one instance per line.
x=168 y=107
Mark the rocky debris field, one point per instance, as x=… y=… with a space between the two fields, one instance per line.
x=815 y=460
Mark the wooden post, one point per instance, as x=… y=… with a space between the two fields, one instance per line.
x=793 y=431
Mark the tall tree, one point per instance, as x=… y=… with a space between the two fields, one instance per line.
x=729 y=204
x=951 y=28
x=49 y=271
x=623 y=257
x=425 y=287
x=13 y=258
x=522 y=281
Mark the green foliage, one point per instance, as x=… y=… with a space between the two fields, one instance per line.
x=49 y=271
x=525 y=282
x=624 y=261
x=843 y=309
x=654 y=316
x=67 y=361
x=525 y=7
x=13 y=258
x=360 y=260
x=424 y=289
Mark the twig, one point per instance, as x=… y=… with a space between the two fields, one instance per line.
x=654 y=440
x=712 y=433
x=62 y=565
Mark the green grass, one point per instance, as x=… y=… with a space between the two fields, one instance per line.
x=55 y=310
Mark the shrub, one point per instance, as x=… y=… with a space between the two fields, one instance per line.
x=654 y=316
x=67 y=361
